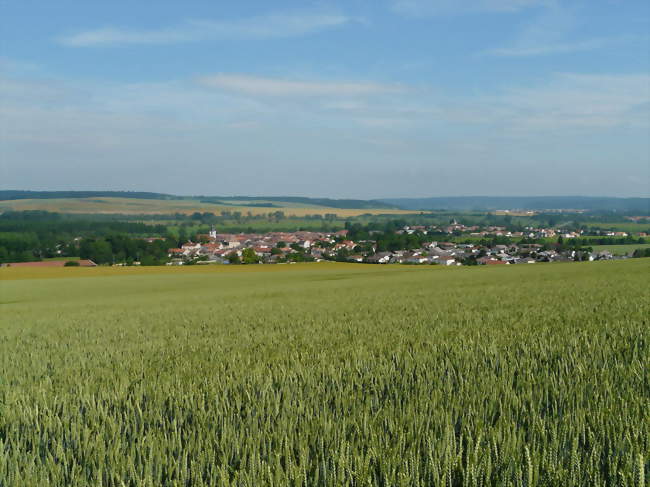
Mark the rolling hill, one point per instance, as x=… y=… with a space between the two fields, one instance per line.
x=487 y=203
x=157 y=203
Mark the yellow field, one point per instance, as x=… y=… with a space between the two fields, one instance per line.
x=146 y=206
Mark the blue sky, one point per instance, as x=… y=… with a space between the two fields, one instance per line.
x=342 y=99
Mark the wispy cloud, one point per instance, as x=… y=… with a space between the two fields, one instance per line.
x=576 y=101
x=252 y=85
x=382 y=123
x=445 y=7
x=8 y=65
x=554 y=31
x=542 y=50
x=50 y=130
x=564 y=103
x=261 y=27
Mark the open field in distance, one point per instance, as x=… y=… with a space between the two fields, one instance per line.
x=325 y=374
x=621 y=226
x=154 y=206
x=620 y=249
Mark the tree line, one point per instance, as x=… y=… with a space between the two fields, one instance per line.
x=35 y=235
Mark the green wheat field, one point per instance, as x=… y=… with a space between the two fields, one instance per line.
x=326 y=375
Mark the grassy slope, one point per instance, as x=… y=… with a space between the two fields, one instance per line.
x=153 y=206
x=269 y=375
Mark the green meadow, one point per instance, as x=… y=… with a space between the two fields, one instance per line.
x=326 y=375
x=625 y=226
x=620 y=249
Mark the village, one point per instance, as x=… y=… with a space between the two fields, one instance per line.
x=301 y=246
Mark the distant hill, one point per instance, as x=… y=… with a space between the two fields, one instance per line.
x=593 y=203
x=28 y=195
x=458 y=203
x=328 y=202
x=255 y=201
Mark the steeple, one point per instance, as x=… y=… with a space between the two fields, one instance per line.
x=213 y=232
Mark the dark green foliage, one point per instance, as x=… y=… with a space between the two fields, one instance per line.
x=299 y=257
x=249 y=257
x=116 y=249
x=32 y=235
x=641 y=252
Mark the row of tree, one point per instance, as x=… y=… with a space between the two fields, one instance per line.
x=34 y=235
x=121 y=249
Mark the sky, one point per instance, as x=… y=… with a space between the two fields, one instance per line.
x=347 y=99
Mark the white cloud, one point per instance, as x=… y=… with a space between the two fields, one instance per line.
x=120 y=133
x=262 y=27
x=578 y=101
x=552 y=31
x=542 y=50
x=444 y=7
x=531 y=47
x=560 y=103
x=9 y=65
x=381 y=123
x=252 y=85
x=244 y=124
x=83 y=112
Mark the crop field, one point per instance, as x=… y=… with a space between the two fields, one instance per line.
x=326 y=375
x=109 y=205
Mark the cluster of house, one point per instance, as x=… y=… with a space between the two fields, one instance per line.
x=497 y=231
x=269 y=247
x=276 y=247
x=448 y=253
